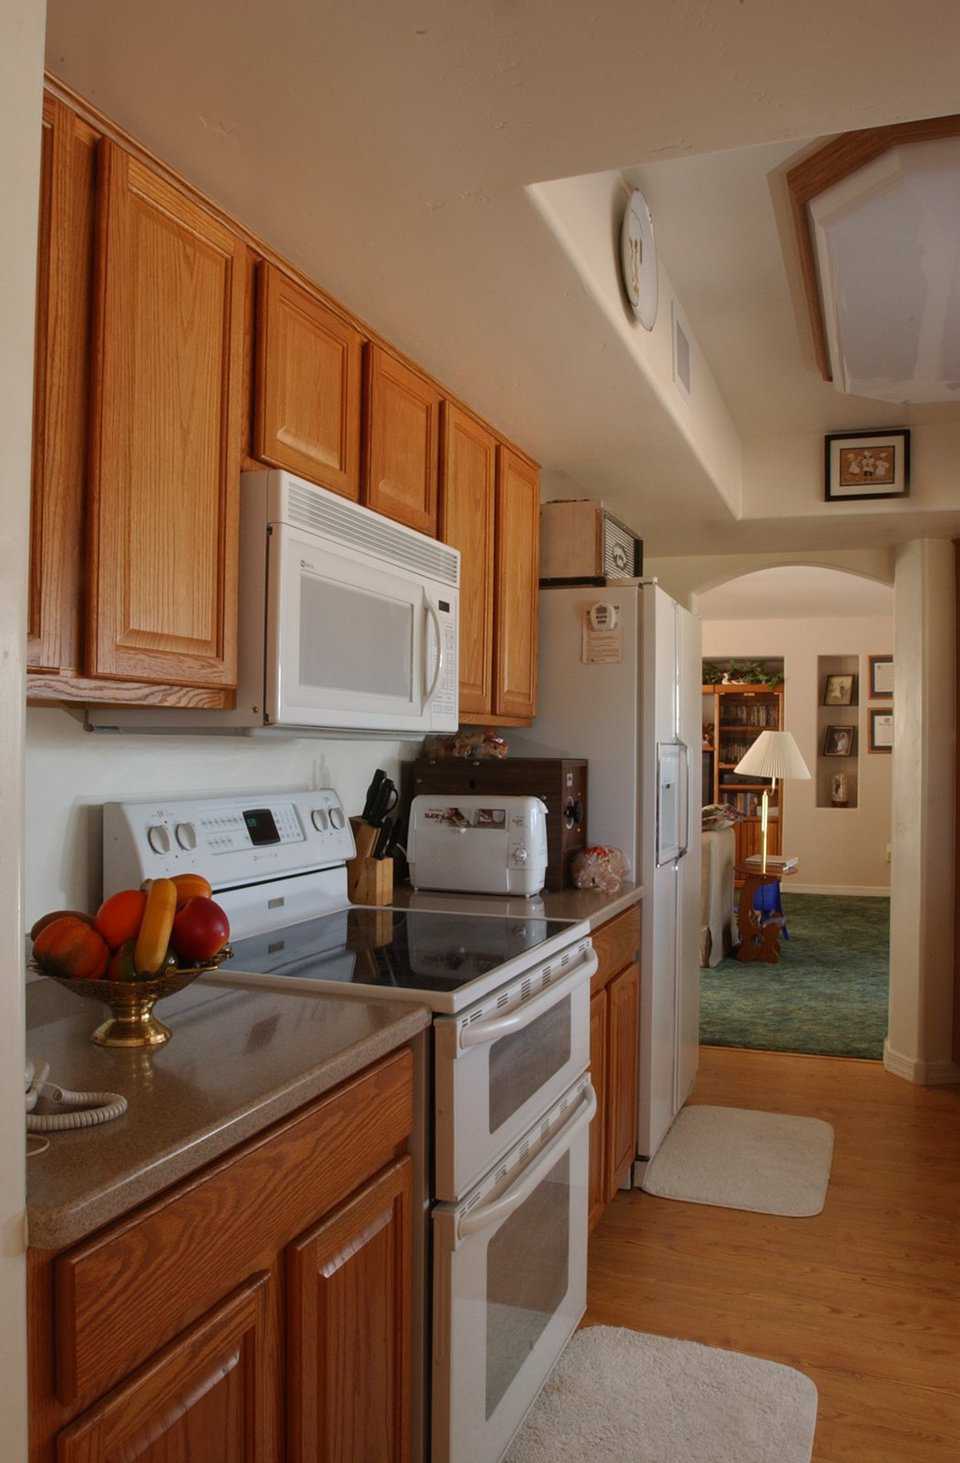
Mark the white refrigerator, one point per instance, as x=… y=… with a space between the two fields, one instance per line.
x=620 y=684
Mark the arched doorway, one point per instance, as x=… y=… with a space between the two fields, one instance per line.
x=828 y=633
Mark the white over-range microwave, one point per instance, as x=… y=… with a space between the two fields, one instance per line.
x=348 y=623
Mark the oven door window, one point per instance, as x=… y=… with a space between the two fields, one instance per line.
x=528 y=1273
x=523 y=1063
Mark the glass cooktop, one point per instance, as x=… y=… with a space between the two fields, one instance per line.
x=402 y=949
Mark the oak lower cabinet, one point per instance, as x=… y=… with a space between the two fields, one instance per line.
x=308 y=385
x=348 y=1312
x=260 y=1311
x=401 y=441
x=597 y=1201
x=614 y=1057
x=517 y=586
x=207 y=1395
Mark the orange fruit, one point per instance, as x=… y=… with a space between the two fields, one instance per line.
x=191 y=886
x=68 y=946
x=118 y=918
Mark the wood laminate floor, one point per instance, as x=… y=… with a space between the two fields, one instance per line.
x=864 y=1298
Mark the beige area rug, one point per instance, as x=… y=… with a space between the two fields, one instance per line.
x=620 y=1396
x=740 y=1159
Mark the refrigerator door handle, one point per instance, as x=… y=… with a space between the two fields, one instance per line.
x=685 y=793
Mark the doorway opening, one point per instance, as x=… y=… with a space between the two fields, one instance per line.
x=797 y=961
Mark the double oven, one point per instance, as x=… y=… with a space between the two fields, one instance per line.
x=503 y=1167
x=513 y=1105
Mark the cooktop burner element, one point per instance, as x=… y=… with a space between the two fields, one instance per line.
x=407 y=950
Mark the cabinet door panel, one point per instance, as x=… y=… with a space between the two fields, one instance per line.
x=518 y=560
x=349 y=1320
x=62 y=386
x=466 y=522
x=598 y=1076
x=308 y=386
x=165 y=452
x=623 y=1043
x=402 y=439
x=210 y=1395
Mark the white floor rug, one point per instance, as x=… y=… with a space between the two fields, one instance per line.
x=619 y=1396
x=741 y=1159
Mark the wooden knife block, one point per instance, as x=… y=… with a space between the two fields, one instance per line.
x=369 y=880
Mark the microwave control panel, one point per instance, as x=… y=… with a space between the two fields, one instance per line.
x=230 y=840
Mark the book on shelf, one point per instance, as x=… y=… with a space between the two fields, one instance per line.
x=778 y=862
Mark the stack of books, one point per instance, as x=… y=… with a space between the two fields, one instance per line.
x=777 y=863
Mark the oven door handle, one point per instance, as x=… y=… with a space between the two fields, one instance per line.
x=481 y=1033
x=431 y=612
x=498 y=1209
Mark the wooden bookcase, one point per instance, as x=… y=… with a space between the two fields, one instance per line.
x=738 y=714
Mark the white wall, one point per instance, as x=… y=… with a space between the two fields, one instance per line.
x=684 y=575
x=840 y=849
x=21 y=76
x=70 y=772
x=922 y=924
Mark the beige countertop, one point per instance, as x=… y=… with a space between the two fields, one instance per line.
x=238 y=1061
x=571 y=904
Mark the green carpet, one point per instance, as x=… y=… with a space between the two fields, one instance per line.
x=828 y=995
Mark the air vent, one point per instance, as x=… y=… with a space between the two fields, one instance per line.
x=503 y=1000
x=321 y=512
x=472 y=1202
x=525 y=989
x=475 y=1015
x=500 y=1174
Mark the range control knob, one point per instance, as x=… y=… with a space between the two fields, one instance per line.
x=337 y=819
x=158 y=838
x=518 y=854
x=186 y=835
x=320 y=820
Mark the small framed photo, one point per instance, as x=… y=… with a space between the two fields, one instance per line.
x=867 y=465
x=840 y=741
x=881 y=677
x=881 y=728
x=839 y=690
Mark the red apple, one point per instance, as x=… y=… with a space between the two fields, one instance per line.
x=200 y=930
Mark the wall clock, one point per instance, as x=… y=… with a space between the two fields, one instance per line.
x=638 y=260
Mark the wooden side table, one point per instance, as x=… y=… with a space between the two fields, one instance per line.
x=759 y=938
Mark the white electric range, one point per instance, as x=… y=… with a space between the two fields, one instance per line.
x=512 y=1099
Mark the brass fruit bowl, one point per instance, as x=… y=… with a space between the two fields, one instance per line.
x=133 y=1023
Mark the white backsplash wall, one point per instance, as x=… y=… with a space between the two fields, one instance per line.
x=71 y=772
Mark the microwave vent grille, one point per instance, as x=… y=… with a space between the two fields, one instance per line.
x=320 y=512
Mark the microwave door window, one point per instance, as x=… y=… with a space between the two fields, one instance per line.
x=355 y=642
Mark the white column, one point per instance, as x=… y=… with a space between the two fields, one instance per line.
x=919 y=1038
x=21 y=91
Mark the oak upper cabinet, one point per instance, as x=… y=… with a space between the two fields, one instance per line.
x=517 y=585
x=211 y=1394
x=623 y=995
x=467 y=498
x=401 y=441
x=348 y=1329
x=165 y=442
x=598 y=1076
x=62 y=388
x=307 y=415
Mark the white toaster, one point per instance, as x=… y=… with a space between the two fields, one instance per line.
x=478 y=843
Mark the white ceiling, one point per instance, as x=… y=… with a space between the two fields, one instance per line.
x=388 y=149
x=796 y=592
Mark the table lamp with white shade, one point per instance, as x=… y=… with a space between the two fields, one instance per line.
x=774 y=754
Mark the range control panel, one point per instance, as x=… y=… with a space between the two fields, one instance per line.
x=230 y=840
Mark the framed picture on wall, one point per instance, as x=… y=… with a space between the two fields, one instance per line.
x=839 y=690
x=881 y=729
x=840 y=741
x=881 y=677
x=866 y=465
